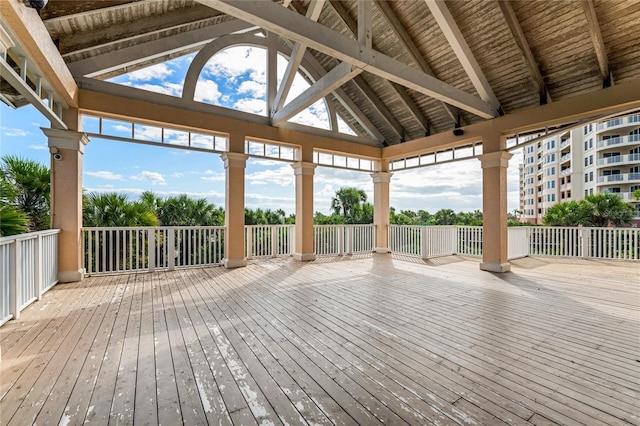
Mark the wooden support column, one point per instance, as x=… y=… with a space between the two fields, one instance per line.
x=494 y=211
x=67 y=150
x=304 y=246
x=235 y=162
x=381 y=209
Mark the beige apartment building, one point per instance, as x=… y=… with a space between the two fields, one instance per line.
x=594 y=158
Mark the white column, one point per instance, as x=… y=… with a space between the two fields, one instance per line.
x=304 y=245
x=67 y=150
x=494 y=211
x=381 y=182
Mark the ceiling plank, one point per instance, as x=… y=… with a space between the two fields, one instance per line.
x=313 y=13
x=121 y=59
x=529 y=60
x=598 y=42
x=407 y=42
x=273 y=17
x=325 y=85
x=380 y=107
x=459 y=45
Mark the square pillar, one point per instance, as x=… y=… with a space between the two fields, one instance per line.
x=381 y=210
x=234 y=165
x=304 y=245
x=494 y=211
x=67 y=150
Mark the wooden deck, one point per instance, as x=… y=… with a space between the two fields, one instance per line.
x=363 y=340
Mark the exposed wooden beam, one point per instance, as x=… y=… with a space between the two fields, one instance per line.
x=370 y=95
x=459 y=45
x=120 y=59
x=364 y=23
x=273 y=17
x=525 y=51
x=94 y=12
x=32 y=36
x=325 y=85
x=297 y=53
x=272 y=69
x=407 y=42
x=598 y=42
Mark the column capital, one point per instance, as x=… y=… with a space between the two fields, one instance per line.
x=381 y=177
x=303 y=168
x=495 y=159
x=66 y=139
x=234 y=159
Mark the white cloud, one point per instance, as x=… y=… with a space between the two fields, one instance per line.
x=104 y=174
x=177 y=175
x=254 y=106
x=154 y=177
x=207 y=91
x=11 y=132
x=252 y=88
x=233 y=62
x=282 y=176
x=41 y=147
x=165 y=88
x=155 y=72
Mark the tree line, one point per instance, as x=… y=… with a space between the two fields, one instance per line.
x=25 y=206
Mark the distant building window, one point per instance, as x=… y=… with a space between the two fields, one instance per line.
x=586 y=177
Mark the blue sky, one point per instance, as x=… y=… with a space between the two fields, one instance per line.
x=235 y=78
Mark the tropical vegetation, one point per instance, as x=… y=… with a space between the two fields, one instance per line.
x=595 y=210
x=24 y=196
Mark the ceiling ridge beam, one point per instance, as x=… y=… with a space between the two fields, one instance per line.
x=598 y=42
x=456 y=40
x=313 y=13
x=525 y=51
x=289 y=24
x=325 y=85
x=411 y=48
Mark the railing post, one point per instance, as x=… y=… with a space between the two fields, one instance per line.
x=17 y=277
x=248 y=231
x=171 y=248
x=292 y=239
x=349 y=240
x=340 y=239
x=274 y=240
x=584 y=238
x=424 y=243
x=151 y=249
x=38 y=268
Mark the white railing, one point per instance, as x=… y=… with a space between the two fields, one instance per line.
x=269 y=240
x=28 y=268
x=582 y=242
x=336 y=240
x=144 y=249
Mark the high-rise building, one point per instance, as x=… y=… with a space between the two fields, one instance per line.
x=595 y=158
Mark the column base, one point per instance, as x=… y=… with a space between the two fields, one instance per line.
x=382 y=250
x=304 y=257
x=71 y=276
x=495 y=267
x=234 y=263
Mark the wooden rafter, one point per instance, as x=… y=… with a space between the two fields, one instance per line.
x=525 y=50
x=459 y=45
x=598 y=42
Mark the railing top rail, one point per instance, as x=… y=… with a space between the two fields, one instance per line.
x=11 y=238
x=145 y=228
x=357 y=225
x=286 y=225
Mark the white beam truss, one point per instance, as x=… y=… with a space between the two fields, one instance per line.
x=286 y=23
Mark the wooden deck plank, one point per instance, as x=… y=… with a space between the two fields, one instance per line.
x=353 y=340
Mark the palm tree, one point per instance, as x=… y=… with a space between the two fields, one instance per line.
x=12 y=221
x=31 y=185
x=609 y=208
x=350 y=203
x=112 y=209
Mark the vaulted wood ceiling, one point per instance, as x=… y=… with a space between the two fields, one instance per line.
x=417 y=66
